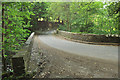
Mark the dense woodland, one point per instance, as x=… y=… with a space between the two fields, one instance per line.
x=81 y=17
x=87 y=17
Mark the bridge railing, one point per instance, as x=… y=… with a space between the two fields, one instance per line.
x=20 y=61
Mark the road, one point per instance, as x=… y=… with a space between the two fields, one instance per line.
x=97 y=51
x=55 y=57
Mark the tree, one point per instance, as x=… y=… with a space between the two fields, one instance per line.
x=40 y=11
x=114 y=13
x=60 y=11
x=16 y=19
x=87 y=17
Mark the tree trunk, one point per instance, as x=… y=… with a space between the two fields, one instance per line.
x=3 y=26
x=68 y=15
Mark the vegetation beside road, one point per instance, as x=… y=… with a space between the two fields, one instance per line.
x=87 y=17
x=20 y=18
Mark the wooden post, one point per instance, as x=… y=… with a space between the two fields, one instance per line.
x=18 y=66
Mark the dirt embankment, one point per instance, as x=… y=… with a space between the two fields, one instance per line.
x=48 y=62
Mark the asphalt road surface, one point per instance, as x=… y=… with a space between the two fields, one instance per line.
x=105 y=52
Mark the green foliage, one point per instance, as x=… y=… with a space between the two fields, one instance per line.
x=40 y=11
x=87 y=17
x=16 y=23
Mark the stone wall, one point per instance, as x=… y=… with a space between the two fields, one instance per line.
x=22 y=57
x=90 y=37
